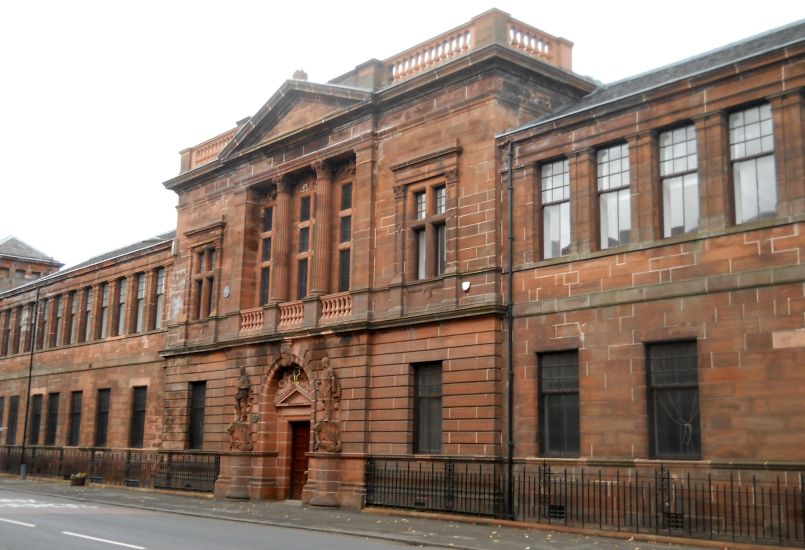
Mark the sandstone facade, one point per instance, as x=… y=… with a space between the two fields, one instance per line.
x=339 y=275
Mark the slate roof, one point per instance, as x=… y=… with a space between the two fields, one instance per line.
x=13 y=247
x=122 y=251
x=723 y=56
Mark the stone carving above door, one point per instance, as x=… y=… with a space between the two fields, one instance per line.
x=293 y=388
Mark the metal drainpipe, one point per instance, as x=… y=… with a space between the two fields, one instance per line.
x=510 y=322
x=23 y=466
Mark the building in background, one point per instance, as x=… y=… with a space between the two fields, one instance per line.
x=336 y=297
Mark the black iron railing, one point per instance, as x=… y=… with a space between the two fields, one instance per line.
x=181 y=470
x=660 y=501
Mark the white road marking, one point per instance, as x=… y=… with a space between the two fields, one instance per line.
x=17 y=522
x=31 y=503
x=102 y=540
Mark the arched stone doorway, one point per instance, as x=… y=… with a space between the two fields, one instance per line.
x=282 y=439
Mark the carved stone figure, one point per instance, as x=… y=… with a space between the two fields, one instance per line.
x=328 y=400
x=243 y=396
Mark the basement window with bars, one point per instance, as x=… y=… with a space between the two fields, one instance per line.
x=427 y=408
x=137 y=431
x=559 y=403
x=52 y=423
x=673 y=384
x=195 y=428
x=76 y=403
x=102 y=417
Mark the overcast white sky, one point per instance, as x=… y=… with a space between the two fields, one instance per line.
x=97 y=98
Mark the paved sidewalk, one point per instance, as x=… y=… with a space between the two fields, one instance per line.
x=377 y=524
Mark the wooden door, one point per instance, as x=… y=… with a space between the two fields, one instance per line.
x=300 y=444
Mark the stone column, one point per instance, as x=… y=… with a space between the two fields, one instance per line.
x=321 y=231
x=278 y=290
x=715 y=196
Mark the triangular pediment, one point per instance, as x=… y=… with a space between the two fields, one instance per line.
x=295 y=106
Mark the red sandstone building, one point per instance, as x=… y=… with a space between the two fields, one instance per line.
x=340 y=281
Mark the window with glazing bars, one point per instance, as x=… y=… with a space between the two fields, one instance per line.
x=52 y=423
x=265 y=254
x=753 y=170
x=680 y=181
x=102 y=417
x=72 y=319
x=195 y=428
x=76 y=403
x=89 y=317
x=555 y=195
x=559 y=403
x=427 y=408
x=2 y=411
x=345 y=238
x=122 y=292
x=614 y=197
x=137 y=432
x=104 y=310
x=43 y=339
x=673 y=384
x=6 y=328
x=204 y=282
x=139 y=305
x=159 y=300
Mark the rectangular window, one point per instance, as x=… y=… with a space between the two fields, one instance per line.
x=428 y=408
x=441 y=248
x=343 y=269
x=159 y=302
x=43 y=339
x=6 y=328
x=18 y=339
x=74 y=435
x=559 y=403
x=421 y=254
x=102 y=417
x=753 y=170
x=555 y=209
x=139 y=306
x=614 y=195
x=89 y=319
x=680 y=181
x=204 y=282
x=104 y=310
x=268 y=219
x=122 y=291
x=304 y=239
x=35 y=419
x=13 y=417
x=346 y=196
x=59 y=317
x=195 y=430
x=29 y=318
x=52 y=423
x=72 y=320
x=265 y=280
x=2 y=411
x=267 y=249
x=346 y=229
x=441 y=199
x=304 y=209
x=301 y=279
x=673 y=387
x=420 y=200
x=137 y=432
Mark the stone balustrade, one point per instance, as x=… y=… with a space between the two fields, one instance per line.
x=492 y=27
x=336 y=306
x=291 y=313
x=437 y=51
x=251 y=319
x=206 y=152
x=532 y=41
